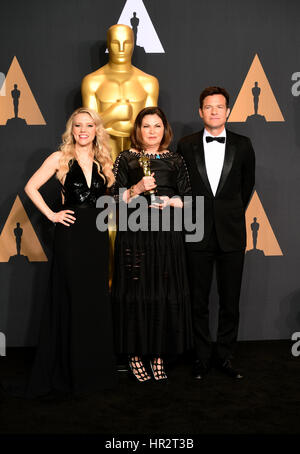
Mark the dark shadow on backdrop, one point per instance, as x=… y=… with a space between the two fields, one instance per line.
x=23 y=322
x=50 y=192
x=181 y=130
x=254 y=305
x=98 y=55
x=296 y=119
x=292 y=301
x=98 y=58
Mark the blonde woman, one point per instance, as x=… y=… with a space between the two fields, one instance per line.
x=75 y=351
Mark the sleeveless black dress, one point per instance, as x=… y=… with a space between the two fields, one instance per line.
x=150 y=293
x=75 y=350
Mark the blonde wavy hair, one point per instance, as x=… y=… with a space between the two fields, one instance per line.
x=101 y=148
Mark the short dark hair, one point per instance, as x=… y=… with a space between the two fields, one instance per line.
x=209 y=91
x=136 y=136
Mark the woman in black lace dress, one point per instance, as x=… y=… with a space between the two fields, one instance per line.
x=150 y=293
x=75 y=350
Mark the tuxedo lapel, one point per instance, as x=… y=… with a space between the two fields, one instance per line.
x=230 y=150
x=200 y=161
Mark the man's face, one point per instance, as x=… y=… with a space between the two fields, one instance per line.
x=214 y=112
x=120 y=44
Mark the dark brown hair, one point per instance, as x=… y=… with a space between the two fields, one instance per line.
x=209 y=91
x=136 y=135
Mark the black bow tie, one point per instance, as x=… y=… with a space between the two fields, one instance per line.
x=218 y=139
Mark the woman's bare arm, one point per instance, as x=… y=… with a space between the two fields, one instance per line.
x=38 y=179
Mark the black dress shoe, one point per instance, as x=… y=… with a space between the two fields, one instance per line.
x=227 y=368
x=200 y=369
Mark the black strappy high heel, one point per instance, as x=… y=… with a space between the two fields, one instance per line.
x=138 y=369
x=158 y=369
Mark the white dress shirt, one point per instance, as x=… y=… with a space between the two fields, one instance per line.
x=214 y=153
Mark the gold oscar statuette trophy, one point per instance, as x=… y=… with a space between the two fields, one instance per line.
x=144 y=162
x=118 y=91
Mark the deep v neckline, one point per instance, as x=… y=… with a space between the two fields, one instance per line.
x=84 y=176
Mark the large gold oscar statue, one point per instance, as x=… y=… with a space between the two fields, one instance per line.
x=119 y=90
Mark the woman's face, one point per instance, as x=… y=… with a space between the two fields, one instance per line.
x=84 y=129
x=152 y=130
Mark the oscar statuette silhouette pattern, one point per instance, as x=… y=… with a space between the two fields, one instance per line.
x=261 y=239
x=136 y=16
x=256 y=101
x=18 y=240
x=18 y=106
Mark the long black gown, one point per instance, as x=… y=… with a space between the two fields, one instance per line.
x=75 y=350
x=150 y=294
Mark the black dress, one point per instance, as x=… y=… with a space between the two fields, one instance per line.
x=150 y=293
x=75 y=350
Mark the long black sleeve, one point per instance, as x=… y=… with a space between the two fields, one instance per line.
x=183 y=179
x=121 y=175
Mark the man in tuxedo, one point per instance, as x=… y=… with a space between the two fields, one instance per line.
x=221 y=166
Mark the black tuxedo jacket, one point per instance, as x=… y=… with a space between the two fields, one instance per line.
x=225 y=210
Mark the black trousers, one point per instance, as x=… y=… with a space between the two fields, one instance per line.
x=229 y=270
